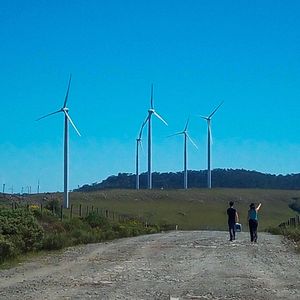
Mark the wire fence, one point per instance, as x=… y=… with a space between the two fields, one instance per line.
x=80 y=211
x=291 y=222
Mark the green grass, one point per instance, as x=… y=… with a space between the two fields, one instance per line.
x=195 y=208
x=191 y=209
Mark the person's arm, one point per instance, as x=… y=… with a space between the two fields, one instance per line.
x=236 y=217
x=258 y=207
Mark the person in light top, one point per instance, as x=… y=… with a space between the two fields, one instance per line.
x=253 y=221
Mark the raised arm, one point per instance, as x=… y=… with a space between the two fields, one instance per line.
x=258 y=207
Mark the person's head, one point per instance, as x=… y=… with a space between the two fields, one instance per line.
x=231 y=203
x=252 y=206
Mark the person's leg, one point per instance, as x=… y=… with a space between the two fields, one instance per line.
x=230 y=231
x=251 y=230
x=255 y=225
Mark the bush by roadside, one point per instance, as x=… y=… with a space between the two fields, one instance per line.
x=26 y=230
x=292 y=233
x=20 y=232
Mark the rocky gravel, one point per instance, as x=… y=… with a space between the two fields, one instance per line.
x=174 y=265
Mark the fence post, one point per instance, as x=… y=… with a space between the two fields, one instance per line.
x=41 y=208
x=87 y=210
x=106 y=213
x=61 y=212
x=97 y=211
x=92 y=208
x=71 y=211
x=80 y=211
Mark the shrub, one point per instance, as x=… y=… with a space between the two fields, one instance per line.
x=121 y=230
x=275 y=230
x=55 y=241
x=7 y=249
x=96 y=220
x=75 y=223
x=293 y=234
x=21 y=227
x=54 y=206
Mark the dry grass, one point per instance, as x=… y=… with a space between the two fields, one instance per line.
x=191 y=209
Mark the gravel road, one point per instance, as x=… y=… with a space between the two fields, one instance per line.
x=175 y=265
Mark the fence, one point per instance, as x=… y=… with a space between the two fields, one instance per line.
x=292 y=222
x=81 y=211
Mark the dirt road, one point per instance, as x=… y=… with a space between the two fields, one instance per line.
x=175 y=265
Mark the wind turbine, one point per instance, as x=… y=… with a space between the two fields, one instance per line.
x=186 y=137
x=138 y=145
x=209 y=142
x=67 y=119
x=151 y=112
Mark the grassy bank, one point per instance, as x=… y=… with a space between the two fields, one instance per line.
x=191 y=209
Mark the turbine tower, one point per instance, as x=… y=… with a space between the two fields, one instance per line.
x=209 y=142
x=185 y=154
x=67 y=119
x=151 y=112
x=138 y=145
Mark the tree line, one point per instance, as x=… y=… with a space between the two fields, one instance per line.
x=226 y=178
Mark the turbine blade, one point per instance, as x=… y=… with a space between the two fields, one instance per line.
x=205 y=118
x=69 y=118
x=191 y=140
x=142 y=148
x=67 y=94
x=143 y=125
x=215 y=110
x=177 y=133
x=210 y=135
x=158 y=116
x=49 y=115
x=152 y=96
x=187 y=124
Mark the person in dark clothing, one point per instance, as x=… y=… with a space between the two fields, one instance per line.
x=253 y=221
x=232 y=219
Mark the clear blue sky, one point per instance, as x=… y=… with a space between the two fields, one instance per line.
x=197 y=53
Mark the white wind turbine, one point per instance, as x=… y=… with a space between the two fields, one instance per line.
x=185 y=154
x=209 y=142
x=67 y=119
x=138 y=145
x=151 y=112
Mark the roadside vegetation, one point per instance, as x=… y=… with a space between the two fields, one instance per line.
x=292 y=233
x=32 y=229
x=27 y=229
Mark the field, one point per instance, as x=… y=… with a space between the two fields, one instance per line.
x=191 y=209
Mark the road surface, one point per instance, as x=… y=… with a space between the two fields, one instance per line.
x=174 y=265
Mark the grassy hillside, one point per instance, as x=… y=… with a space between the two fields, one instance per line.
x=195 y=208
x=191 y=209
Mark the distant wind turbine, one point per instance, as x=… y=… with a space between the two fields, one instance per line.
x=67 y=119
x=185 y=154
x=138 y=145
x=209 y=142
x=151 y=112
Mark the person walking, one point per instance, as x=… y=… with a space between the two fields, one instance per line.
x=253 y=221
x=232 y=219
